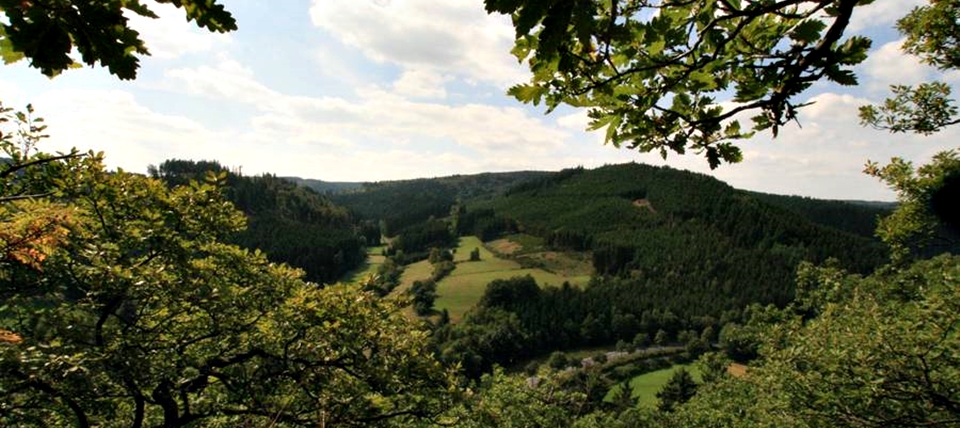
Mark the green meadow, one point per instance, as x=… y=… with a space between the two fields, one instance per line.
x=646 y=386
x=375 y=258
x=464 y=287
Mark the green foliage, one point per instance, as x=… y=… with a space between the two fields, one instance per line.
x=622 y=398
x=416 y=241
x=713 y=367
x=927 y=197
x=857 y=217
x=442 y=269
x=505 y=293
x=932 y=31
x=483 y=339
x=386 y=279
x=673 y=230
x=513 y=402
x=558 y=360
x=678 y=390
x=47 y=31
x=475 y=255
x=739 y=342
x=651 y=72
x=438 y=255
x=401 y=204
x=877 y=351
x=661 y=338
x=424 y=293
x=925 y=109
x=293 y=225
x=931 y=34
x=141 y=315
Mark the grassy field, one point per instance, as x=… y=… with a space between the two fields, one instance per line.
x=418 y=271
x=466 y=245
x=374 y=259
x=645 y=386
x=531 y=252
x=462 y=289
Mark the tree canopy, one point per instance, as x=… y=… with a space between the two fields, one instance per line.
x=47 y=31
x=654 y=73
x=123 y=306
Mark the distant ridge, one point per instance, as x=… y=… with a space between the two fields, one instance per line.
x=321 y=186
x=858 y=217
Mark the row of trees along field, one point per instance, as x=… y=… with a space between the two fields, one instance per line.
x=291 y=224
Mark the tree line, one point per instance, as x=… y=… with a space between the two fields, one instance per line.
x=291 y=224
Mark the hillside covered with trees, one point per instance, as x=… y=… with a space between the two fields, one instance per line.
x=291 y=224
x=400 y=204
x=126 y=301
x=674 y=252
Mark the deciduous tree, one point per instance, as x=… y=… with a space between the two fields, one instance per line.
x=655 y=73
x=131 y=311
x=47 y=31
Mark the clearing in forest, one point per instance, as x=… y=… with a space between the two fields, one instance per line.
x=737 y=370
x=375 y=258
x=646 y=386
x=464 y=287
x=418 y=271
x=644 y=203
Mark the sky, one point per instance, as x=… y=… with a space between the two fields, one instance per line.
x=370 y=90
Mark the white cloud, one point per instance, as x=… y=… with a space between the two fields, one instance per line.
x=881 y=13
x=171 y=35
x=826 y=156
x=889 y=65
x=114 y=122
x=376 y=115
x=451 y=37
x=418 y=122
x=421 y=83
x=577 y=121
x=8 y=92
x=228 y=80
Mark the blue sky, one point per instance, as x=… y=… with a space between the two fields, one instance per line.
x=361 y=90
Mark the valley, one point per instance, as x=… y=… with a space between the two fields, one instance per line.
x=445 y=272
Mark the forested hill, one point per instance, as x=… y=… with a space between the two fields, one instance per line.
x=291 y=224
x=677 y=227
x=326 y=187
x=857 y=217
x=407 y=202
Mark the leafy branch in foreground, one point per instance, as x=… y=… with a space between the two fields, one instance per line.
x=932 y=34
x=123 y=306
x=651 y=71
x=47 y=31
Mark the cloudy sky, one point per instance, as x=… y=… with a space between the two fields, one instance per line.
x=364 y=90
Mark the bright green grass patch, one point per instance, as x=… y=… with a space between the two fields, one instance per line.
x=646 y=386
x=466 y=245
x=489 y=264
x=466 y=284
x=459 y=292
x=375 y=258
x=464 y=287
x=418 y=271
